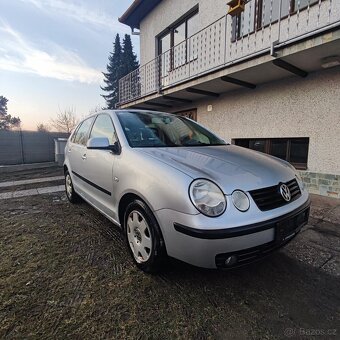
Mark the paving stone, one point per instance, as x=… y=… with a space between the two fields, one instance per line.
x=333 y=266
x=6 y=195
x=31 y=192
x=307 y=252
x=333 y=215
x=323 y=236
x=30 y=181
x=22 y=193
x=49 y=190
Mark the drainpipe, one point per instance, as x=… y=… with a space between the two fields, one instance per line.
x=274 y=43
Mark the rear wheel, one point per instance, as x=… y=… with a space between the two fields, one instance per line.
x=143 y=237
x=72 y=196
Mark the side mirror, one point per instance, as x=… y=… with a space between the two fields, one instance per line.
x=99 y=143
x=102 y=143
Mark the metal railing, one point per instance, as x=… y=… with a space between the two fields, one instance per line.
x=262 y=27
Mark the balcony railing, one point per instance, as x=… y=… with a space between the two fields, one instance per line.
x=262 y=27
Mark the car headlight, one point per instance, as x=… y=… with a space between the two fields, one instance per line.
x=240 y=200
x=207 y=197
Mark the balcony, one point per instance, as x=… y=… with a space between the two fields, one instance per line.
x=258 y=31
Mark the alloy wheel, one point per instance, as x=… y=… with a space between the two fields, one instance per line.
x=69 y=188
x=139 y=236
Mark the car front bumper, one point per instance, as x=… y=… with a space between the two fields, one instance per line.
x=229 y=247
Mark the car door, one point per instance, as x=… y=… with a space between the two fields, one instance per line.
x=77 y=156
x=100 y=165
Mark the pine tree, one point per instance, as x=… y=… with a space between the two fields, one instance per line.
x=121 y=62
x=113 y=74
x=130 y=62
x=7 y=122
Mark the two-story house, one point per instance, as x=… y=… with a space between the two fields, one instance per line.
x=266 y=76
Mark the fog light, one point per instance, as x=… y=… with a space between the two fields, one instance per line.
x=231 y=260
x=240 y=200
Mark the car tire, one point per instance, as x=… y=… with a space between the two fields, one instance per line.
x=72 y=196
x=144 y=237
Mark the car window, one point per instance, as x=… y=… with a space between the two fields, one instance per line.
x=149 y=129
x=74 y=133
x=103 y=127
x=82 y=134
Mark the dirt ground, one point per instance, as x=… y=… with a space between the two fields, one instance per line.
x=65 y=272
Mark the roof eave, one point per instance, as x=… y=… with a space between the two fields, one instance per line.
x=137 y=11
x=124 y=19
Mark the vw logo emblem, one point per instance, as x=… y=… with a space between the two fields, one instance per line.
x=285 y=192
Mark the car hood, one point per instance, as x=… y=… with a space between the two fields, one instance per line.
x=229 y=166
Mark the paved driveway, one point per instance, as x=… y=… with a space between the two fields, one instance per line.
x=65 y=272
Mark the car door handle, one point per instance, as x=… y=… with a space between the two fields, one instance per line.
x=83 y=156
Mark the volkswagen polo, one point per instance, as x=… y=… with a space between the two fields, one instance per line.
x=176 y=189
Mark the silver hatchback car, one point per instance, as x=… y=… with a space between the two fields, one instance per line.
x=178 y=190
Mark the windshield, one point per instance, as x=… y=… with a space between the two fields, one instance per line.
x=148 y=129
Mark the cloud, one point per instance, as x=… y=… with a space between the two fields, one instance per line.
x=76 y=10
x=20 y=55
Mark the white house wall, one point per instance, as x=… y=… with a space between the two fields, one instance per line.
x=292 y=107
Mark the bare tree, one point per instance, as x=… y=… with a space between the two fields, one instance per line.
x=92 y=111
x=95 y=109
x=43 y=127
x=65 y=121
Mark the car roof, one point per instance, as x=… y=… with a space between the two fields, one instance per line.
x=122 y=110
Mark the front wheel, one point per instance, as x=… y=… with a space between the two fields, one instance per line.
x=144 y=237
x=72 y=196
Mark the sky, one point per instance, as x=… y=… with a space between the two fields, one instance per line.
x=52 y=53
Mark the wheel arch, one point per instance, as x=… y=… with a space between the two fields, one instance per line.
x=124 y=201
x=129 y=197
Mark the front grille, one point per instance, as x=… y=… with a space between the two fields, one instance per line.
x=270 y=197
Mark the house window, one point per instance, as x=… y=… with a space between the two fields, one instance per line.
x=164 y=45
x=180 y=48
x=192 y=29
x=192 y=114
x=270 y=11
x=260 y=13
x=173 y=45
x=293 y=150
x=301 y=4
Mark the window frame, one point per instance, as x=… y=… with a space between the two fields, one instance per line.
x=189 y=113
x=259 y=14
x=74 y=133
x=268 y=148
x=170 y=30
x=78 y=128
x=115 y=130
